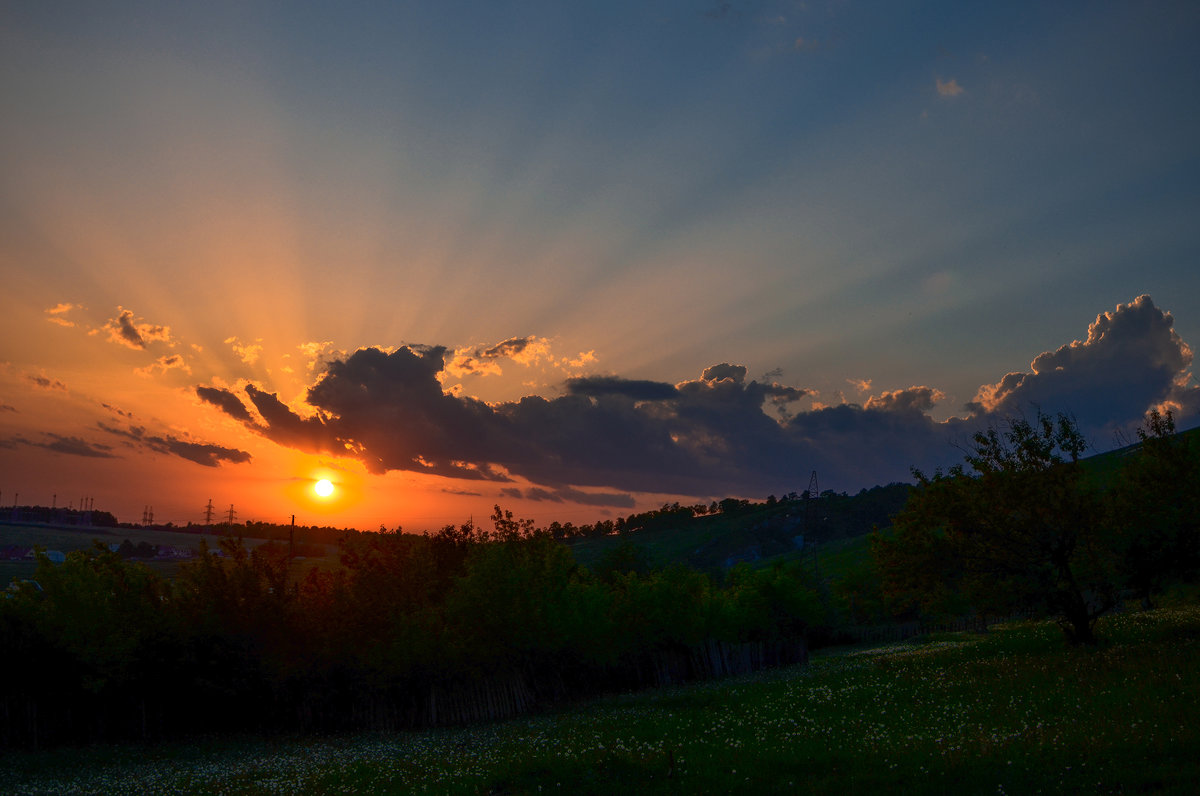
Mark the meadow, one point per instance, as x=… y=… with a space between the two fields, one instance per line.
x=1009 y=711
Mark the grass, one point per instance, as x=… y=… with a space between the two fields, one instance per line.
x=1010 y=712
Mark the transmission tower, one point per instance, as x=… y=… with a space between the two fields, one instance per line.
x=208 y=513
x=810 y=506
x=231 y=514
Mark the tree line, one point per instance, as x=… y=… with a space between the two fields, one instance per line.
x=410 y=630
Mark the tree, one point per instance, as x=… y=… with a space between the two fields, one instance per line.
x=1155 y=499
x=1022 y=530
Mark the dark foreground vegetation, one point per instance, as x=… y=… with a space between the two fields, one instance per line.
x=472 y=624
x=463 y=625
x=1012 y=711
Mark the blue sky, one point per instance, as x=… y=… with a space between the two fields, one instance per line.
x=848 y=199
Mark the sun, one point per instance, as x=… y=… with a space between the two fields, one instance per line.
x=323 y=488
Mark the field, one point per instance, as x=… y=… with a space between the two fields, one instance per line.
x=66 y=538
x=1012 y=711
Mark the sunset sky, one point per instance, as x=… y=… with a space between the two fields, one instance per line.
x=578 y=259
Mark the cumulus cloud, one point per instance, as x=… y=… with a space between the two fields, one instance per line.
x=485 y=360
x=58 y=313
x=914 y=399
x=247 y=352
x=313 y=351
x=202 y=453
x=136 y=334
x=948 y=88
x=607 y=437
x=1131 y=360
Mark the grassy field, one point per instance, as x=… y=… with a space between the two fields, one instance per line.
x=1010 y=712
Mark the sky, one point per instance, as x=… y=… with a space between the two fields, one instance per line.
x=578 y=259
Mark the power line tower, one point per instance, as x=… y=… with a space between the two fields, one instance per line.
x=208 y=514
x=230 y=515
x=811 y=496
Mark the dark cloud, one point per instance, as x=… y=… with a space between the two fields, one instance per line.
x=7 y=408
x=117 y=411
x=286 y=427
x=226 y=401
x=71 y=446
x=206 y=454
x=124 y=330
x=1131 y=360
x=46 y=383
x=464 y=492
x=637 y=390
x=710 y=436
x=567 y=494
x=734 y=373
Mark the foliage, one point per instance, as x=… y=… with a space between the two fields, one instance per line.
x=1010 y=712
x=1021 y=531
x=1155 y=504
x=463 y=624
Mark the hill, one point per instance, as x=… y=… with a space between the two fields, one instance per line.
x=741 y=531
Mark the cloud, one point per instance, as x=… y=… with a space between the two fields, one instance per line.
x=163 y=364
x=470 y=493
x=247 y=352
x=634 y=389
x=1131 y=360
x=201 y=453
x=569 y=495
x=71 y=446
x=949 y=88
x=7 y=408
x=734 y=373
x=484 y=361
x=312 y=352
x=45 y=382
x=226 y=401
x=137 y=335
x=607 y=437
x=914 y=399
x=117 y=411
x=58 y=313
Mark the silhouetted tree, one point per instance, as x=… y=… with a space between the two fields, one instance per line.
x=1022 y=529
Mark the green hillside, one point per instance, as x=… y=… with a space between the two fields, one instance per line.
x=756 y=533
